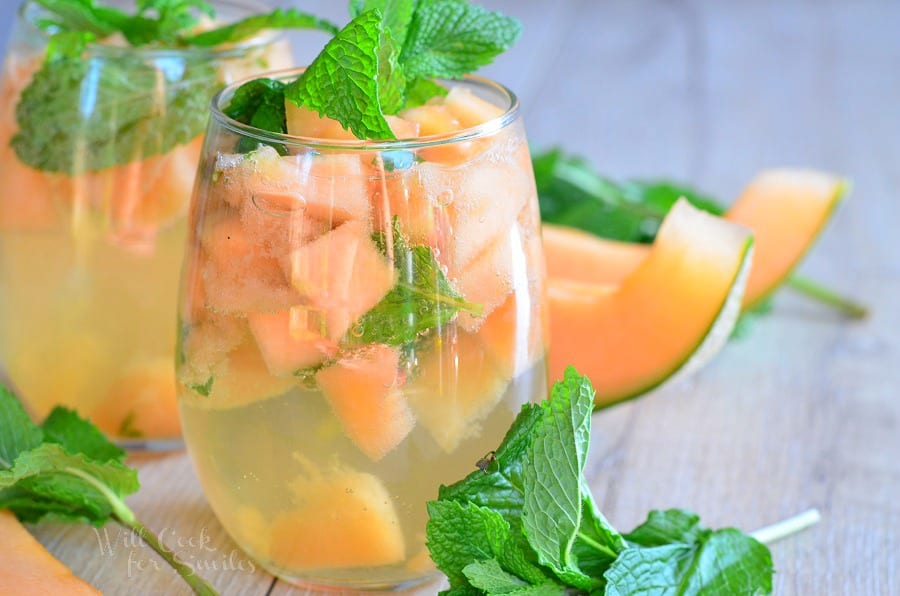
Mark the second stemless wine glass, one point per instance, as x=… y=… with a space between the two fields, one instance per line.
x=98 y=154
x=360 y=323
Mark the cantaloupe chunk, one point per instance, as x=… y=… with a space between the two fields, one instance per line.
x=206 y=342
x=492 y=277
x=400 y=196
x=437 y=119
x=141 y=402
x=363 y=392
x=483 y=201
x=457 y=384
x=288 y=341
x=237 y=274
x=786 y=209
x=671 y=314
x=241 y=379
x=345 y=519
x=514 y=335
x=27 y=569
x=331 y=187
x=303 y=122
x=342 y=274
x=470 y=109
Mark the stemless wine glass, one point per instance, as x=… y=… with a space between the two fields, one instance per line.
x=98 y=154
x=361 y=322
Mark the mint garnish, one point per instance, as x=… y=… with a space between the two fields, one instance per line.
x=62 y=128
x=422 y=298
x=385 y=58
x=529 y=525
x=66 y=469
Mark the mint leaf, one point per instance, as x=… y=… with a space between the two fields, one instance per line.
x=54 y=476
x=18 y=432
x=419 y=91
x=667 y=527
x=553 y=504
x=448 y=39
x=78 y=16
x=396 y=15
x=279 y=18
x=259 y=103
x=422 y=298
x=342 y=83
x=597 y=543
x=722 y=562
x=459 y=534
x=487 y=575
x=78 y=115
x=76 y=435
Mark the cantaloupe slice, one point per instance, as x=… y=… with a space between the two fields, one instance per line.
x=456 y=385
x=289 y=341
x=342 y=274
x=27 y=569
x=671 y=314
x=363 y=392
x=141 y=403
x=345 y=519
x=786 y=209
x=470 y=109
x=303 y=122
x=599 y=260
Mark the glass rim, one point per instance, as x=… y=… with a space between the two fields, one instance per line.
x=232 y=50
x=492 y=126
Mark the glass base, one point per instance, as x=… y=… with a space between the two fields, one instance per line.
x=150 y=445
x=428 y=584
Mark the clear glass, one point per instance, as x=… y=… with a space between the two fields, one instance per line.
x=360 y=323
x=92 y=218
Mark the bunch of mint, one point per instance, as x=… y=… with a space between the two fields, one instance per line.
x=65 y=469
x=82 y=113
x=526 y=523
x=382 y=61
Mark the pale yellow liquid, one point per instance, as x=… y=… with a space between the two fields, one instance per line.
x=248 y=457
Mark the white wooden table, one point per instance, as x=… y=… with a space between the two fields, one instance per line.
x=805 y=412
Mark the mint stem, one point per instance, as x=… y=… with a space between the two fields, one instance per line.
x=787 y=527
x=125 y=516
x=813 y=289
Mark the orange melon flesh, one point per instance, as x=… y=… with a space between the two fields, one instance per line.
x=598 y=260
x=342 y=275
x=288 y=344
x=141 y=403
x=786 y=209
x=237 y=276
x=346 y=519
x=457 y=384
x=364 y=393
x=303 y=122
x=512 y=337
x=27 y=569
x=492 y=277
x=240 y=379
x=681 y=301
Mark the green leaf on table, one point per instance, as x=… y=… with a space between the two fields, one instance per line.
x=279 y=18
x=721 y=562
x=17 y=432
x=449 y=38
x=76 y=435
x=58 y=479
x=667 y=527
x=129 y=113
x=342 y=82
x=597 y=543
x=553 y=500
x=422 y=297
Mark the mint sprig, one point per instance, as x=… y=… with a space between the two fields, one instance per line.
x=67 y=470
x=290 y=18
x=385 y=58
x=529 y=525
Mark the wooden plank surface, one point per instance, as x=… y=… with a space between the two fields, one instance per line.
x=802 y=413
